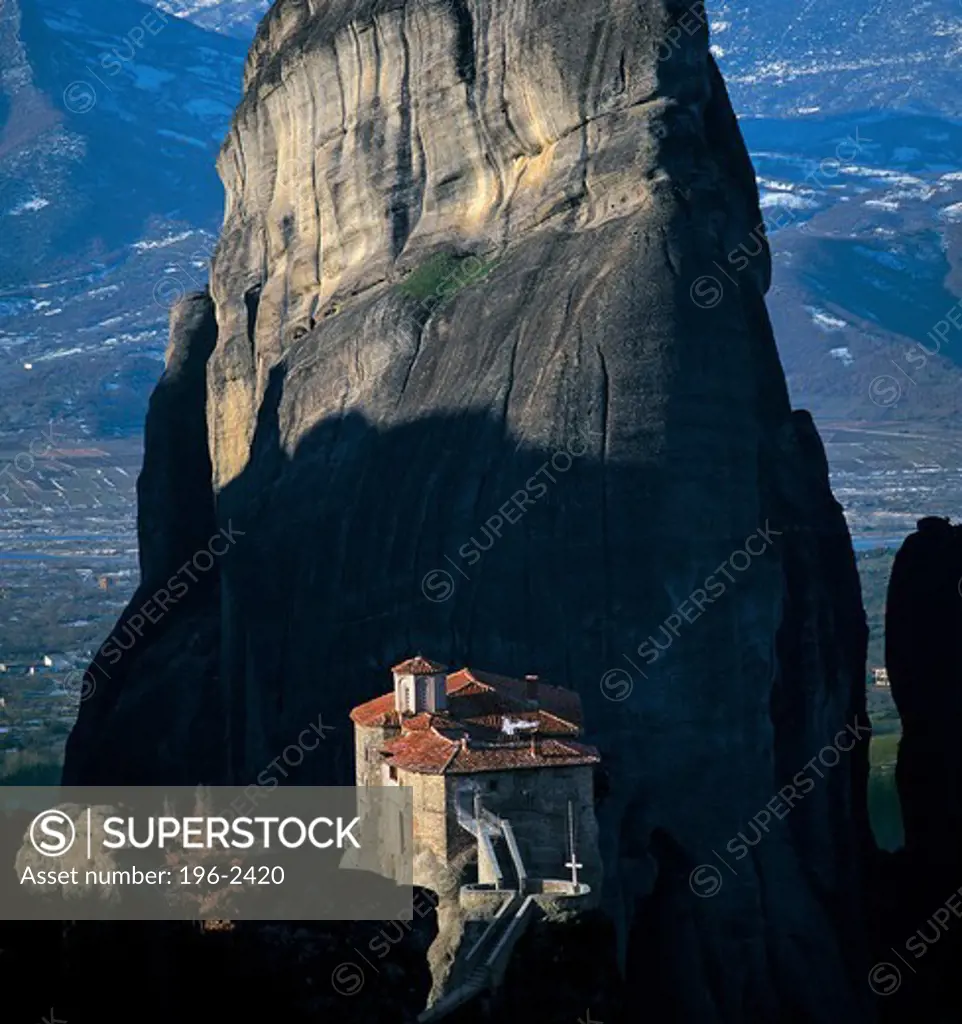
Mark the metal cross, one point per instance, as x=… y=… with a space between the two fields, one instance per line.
x=573 y=863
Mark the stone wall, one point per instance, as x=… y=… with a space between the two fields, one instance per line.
x=367 y=753
x=430 y=828
x=536 y=804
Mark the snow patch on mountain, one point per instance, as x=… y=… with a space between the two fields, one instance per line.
x=162 y=243
x=825 y=321
x=233 y=17
x=28 y=206
x=786 y=199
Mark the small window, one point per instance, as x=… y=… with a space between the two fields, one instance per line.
x=493 y=786
x=392 y=773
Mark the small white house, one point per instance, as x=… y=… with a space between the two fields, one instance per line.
x=57 y=662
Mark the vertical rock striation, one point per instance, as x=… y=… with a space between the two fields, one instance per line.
x=481 y=389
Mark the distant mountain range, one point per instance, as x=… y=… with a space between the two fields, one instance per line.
x=784 y=58
x=112 y=114
x=865 y=215
x=235 y=17
x=851 y=111
x=781 y=58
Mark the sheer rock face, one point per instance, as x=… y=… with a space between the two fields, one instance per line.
x=372 y=134
x=533 y=467
x=175 y=506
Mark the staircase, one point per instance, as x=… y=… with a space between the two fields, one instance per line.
x=486 y=827
x=493 y=949
x=508 y=832
x=516 y=923
x=483 y=966
x=474 y=984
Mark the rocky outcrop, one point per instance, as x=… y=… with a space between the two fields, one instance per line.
x=480 y=388
x=170 y=626
x=923 y=619
x=175 y=502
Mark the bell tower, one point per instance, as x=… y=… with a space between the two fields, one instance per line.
x=419 y=685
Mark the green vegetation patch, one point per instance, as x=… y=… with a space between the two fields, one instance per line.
x=884 y=809
x=443 y=276
x=884 y=750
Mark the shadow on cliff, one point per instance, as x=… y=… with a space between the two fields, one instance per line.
x=443 y=536
x=440 y=536
x=918 y=905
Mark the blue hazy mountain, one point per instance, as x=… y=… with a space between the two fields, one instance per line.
x=114 y=115
x=111 y=117
x=850 y=109
x=235 y=17
x=786 y=57
x=781 y=57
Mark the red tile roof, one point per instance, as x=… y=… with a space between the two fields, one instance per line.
x=432 y=753
x=430 y=720
x=419 y=666
x=377 y=712
x=512 y=694
x=422 y=751
x=479 y=706
x=484 y=699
